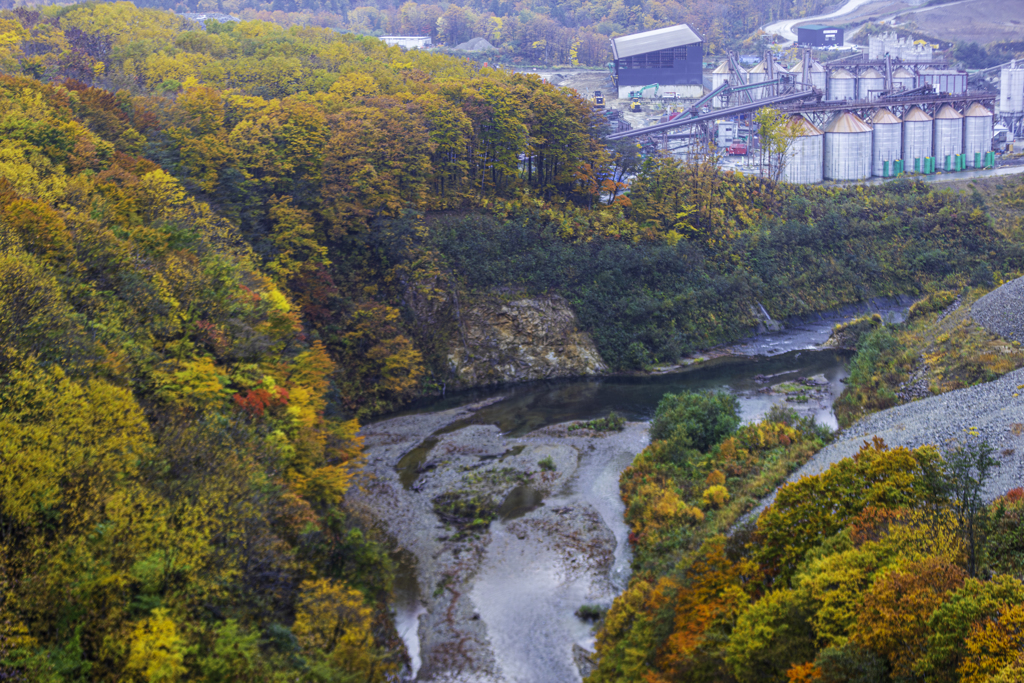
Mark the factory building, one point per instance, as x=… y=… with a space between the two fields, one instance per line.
x=905 y=49
x=408 y=42
x=818 y=35
x=672 y=57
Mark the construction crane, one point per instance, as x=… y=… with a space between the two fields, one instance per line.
x=634 y=96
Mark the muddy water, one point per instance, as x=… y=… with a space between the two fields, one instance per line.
x=529 y=585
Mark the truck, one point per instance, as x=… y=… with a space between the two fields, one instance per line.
x=738 y=147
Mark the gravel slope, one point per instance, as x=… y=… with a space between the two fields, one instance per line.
x=1001 y=311
x=995 y=409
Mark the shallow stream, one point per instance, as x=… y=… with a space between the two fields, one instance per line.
x=527 y=595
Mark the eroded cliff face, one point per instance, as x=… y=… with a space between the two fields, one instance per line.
x=521 y=340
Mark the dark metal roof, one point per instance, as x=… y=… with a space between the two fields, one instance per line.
x=652 y=41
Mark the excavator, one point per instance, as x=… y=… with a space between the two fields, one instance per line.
x=634 y=97
x=598 y=100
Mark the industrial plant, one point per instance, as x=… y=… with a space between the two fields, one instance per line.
x=896 y=108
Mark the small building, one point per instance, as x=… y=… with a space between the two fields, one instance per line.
x=408 y=42
x=819 y=35
x=672 y=57
x=202 y=17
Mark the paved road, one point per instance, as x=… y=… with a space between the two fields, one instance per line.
x=784 y=28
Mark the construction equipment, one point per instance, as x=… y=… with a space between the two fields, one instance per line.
x=598 y=100
x=635 y=95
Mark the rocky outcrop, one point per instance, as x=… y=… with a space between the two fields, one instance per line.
x=847 y=335
x=521 y=340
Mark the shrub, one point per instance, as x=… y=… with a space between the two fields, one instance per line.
x=591 y=612
x=547 y=464
x=697 y=420
x=613 y=423
x=716 y=496
x=936 y=301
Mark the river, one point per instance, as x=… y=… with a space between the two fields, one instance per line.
x=522 y=590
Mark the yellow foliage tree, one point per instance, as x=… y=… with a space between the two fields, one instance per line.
x=158 y=650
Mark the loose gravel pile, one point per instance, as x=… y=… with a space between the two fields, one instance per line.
x=1001 y=311
x=995 y=410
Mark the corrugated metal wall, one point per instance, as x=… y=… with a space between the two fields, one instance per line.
x=977 y=137
x=842 y=88
x=917 y=141
x=805 y=160
x=1011 y=91
x=886 y=145
x=847 y=156
x=869 y=88
x=948 y=139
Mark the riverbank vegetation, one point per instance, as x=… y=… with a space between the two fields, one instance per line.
x=938 y=349
x=219 y=245
x=383 y=191
x=886 y=567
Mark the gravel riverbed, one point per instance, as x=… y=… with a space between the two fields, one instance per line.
x=496 y=601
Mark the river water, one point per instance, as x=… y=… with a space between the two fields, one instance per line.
x=523 y=592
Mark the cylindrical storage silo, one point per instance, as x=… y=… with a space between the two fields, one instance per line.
x=805 y=155
x=842 y=85
x=917 y=137
x=1011 y=90
x=870 y=84
x=902 y=78
x=977 y=134
x=847 y=148
x=886 y=142
x=948 y=136
x=758 y=74
x=722 y=73
x=818 y=75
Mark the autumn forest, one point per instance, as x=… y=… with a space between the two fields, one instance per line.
x=222 y=247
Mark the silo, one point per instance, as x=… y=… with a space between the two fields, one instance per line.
x=904 y=78
x=977 y=134
x=847 y=148
x=1011 y=90
x=948 y=136
x=886 y=142
x=815 y=75
x=870 y=84
x=917 y=138
x=804 y=158
x=722 y=73
x=842 y=85
x=818 y=76
x=758 y=74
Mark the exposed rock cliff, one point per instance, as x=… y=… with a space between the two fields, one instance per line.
x=522 y=340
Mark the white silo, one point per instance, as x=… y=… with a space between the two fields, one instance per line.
x=917 y=138
x=722 y=73
x=977 y=134
x=886 y=142
x=815 y=76
x=948 y=137
x=805 y=154
x=847 y=148
x=1011 y=90
x=842 y=85
x=904 y=78
x=758 y=74
x=870 y=84
x=818 y=75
